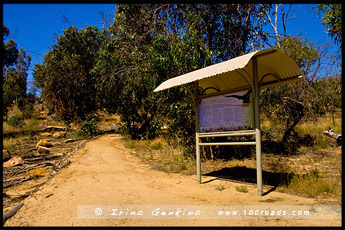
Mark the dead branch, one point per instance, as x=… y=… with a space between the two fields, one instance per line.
x=9 y=172
x=12 y=211
x=298 y=102
x=16 y=181
x=64 y=164
x=78 y=146
x=287 y=14
x=43 y=157
x=65 y=19
x=337 y=136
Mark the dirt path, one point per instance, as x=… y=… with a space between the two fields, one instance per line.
x=104 y=173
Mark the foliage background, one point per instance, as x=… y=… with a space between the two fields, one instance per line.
x=115 y=69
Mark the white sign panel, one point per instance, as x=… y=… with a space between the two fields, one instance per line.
x=226 y=112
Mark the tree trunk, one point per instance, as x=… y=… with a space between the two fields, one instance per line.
x=289 y=129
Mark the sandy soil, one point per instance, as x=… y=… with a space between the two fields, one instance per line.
x=104 y=173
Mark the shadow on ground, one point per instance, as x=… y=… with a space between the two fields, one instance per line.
x=248 y=175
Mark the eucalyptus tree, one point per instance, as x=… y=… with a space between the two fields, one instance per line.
x=154 y=42
x=16 y=63
x=331 y=16
x=147 y=52
x=65 y=76
x=292 y=103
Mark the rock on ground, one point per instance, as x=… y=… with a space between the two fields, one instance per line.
x=43 y=150
x=13 y=161
x=59 y=134
x=44 y=143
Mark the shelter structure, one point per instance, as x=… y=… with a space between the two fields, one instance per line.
x=252 y=71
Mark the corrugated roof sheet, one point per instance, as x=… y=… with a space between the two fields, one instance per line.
x=274 y=67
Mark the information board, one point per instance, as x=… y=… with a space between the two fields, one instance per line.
x=226 y=112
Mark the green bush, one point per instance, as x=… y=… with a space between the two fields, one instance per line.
x=89 y=126
x=16 y=121
x=157 y=146
x=28 y=112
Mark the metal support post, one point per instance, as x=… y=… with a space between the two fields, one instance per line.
x=197 y=130
x=257 y=127
x=198 y=160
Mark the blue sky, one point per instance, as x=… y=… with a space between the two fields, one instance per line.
x=33 y=26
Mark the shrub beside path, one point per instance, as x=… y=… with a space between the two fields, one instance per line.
x=103 y=172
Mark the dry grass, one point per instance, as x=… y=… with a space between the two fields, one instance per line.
x=158 y=143
x=316 y=172
x=31 y=125
x=8 y=142
x=313 y=128
x=19 y=141
x=310 y=184
x=160 y=156
x=321 y=124
x=268 y=126
x=107 y=120
x=317 y=168
x=220 y=187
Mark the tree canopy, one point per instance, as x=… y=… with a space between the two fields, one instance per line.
x=331 y=16
x=116 y=69
x=68 y=85
x=15 y=66
x=292 y=103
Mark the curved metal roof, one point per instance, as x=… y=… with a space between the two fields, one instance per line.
x=274 y=68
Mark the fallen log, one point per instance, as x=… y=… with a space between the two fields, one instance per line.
x=18 y=195
x=43 y=157
x=337 y=136
x=70 y=140
x=64 y=164
x=53 y=129
x=12 y=211
x=15 y=181
x=15 y=171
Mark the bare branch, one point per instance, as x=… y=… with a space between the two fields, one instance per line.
x=65 y=19
x=252 y=46
x=298 y=102
x=285 y=17
x=294 y=15
x=269 y=19
x=105 y=19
